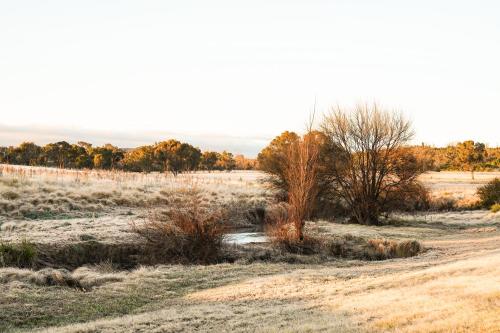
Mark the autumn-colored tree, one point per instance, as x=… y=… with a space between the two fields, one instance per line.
x=87 y=146
x=190 y=156
x=175 y=157
x=272 y=159
x=209 y=160
x=226 y=161
x=139 y=159
x=117 y=154
x=99 y=161
x=470 y=154
x=27 y=153
x=79 y=157
x=243 y=163
x=57 y=154
x=106 y=157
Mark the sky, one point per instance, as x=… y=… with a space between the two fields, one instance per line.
x=234 y=74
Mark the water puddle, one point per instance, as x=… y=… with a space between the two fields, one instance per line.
x=241 y=238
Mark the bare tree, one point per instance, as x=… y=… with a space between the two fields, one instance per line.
x=370 y=165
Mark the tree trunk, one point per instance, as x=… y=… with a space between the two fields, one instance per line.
x=366 y=215
x=299 y=230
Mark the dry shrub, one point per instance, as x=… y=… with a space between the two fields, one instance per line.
x=408 y=248
x=490 y=193
x=192 y=231
x=468 y=203
x=385 y=249
x=448 y=203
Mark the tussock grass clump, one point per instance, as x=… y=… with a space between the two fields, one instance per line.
x=307 y=245
x=83 y=278
x=353 y=247
x=283 y=234
x=385 y=249
x=192 y=231
x=345 y=246
x=20 y=255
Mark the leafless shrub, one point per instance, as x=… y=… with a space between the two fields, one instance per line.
x=190 y=232
x=284 y=238
x=490 y=193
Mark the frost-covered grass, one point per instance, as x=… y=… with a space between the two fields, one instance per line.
x=454 y=286
x=456 y=188
x=46 y=193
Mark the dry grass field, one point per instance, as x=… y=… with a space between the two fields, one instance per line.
x=47 y=205
x=453 y=286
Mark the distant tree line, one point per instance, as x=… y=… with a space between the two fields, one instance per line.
x=463 y=156
x=166 y=156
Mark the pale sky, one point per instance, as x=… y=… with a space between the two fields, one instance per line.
x=233 y=74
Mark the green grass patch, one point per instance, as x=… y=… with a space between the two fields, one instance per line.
x=22 y=254
x=34 y=306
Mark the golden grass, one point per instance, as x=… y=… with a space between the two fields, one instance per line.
x=456 y=187
x=36 y=192
x=453 y=287
x=47 y=205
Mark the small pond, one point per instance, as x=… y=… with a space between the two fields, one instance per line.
x=241 y=238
